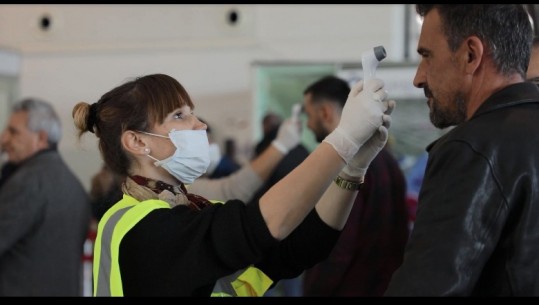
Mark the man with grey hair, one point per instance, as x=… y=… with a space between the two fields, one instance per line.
x=44 y=210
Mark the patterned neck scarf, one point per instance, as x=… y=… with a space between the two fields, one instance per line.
x=143 y=188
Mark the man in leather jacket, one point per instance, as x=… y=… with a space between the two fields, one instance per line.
x=477 y=224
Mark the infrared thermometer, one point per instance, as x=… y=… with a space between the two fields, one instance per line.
x=369 y=61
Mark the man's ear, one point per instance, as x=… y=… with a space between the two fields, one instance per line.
x=325 y=111
x=474 y=51
x=331 y=114
x=42 y=139
x=134 y=143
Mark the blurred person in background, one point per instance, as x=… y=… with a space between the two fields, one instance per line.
x=371 y=246
x=228 y=163
x=270 y=125
x=45 y=211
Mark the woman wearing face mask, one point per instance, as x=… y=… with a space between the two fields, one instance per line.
x=240 y=185
x=160 y=240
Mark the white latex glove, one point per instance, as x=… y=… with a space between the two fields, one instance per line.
x=288 y=135
x=357 y=167
x=361 y=117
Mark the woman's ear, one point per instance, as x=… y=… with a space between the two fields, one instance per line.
x=134 y=143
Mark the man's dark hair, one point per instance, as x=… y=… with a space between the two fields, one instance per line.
x=329 y=88
x=505 y=29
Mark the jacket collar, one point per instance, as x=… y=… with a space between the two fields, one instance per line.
x=512 y=95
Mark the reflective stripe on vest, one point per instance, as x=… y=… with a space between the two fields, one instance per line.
x=123 y=216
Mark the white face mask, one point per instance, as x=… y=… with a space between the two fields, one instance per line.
x=215 y=157
x=191 y=158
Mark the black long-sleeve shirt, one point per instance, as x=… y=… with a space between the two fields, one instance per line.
x=180 y=252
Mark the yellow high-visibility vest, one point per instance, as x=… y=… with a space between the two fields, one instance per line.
x=123 y=216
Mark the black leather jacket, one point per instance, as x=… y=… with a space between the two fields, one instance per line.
x=477 y=225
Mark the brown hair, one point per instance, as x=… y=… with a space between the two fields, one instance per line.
x=135 y=105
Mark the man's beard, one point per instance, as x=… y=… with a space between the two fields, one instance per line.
x=321 y=133
x=446 y=117
x=320 y=137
